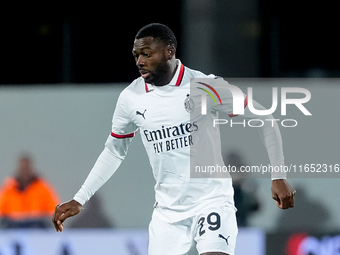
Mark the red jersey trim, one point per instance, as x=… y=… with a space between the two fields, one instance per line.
x=245 y=105
x=180 y=75
x=123 y=136
x=146 y=88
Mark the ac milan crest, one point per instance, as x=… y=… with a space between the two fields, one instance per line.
x=189 y=104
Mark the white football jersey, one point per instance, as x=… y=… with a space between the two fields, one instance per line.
x=177 y=137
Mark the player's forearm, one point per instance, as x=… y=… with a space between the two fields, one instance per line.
x=271 y=137
x=105 y=166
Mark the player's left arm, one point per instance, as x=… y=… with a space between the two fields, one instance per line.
x=282 y=192
x=270 y=135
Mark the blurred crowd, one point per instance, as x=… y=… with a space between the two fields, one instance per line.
x=27 y=200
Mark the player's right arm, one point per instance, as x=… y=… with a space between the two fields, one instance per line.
x=116 y=146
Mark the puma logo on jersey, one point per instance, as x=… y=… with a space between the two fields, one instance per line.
x=226 y=239
x=142 y=114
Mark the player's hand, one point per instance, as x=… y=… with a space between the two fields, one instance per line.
x=283 y=193
x=63 y=211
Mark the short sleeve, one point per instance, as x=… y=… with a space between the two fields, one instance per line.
x=223 y=96
x=122 y=125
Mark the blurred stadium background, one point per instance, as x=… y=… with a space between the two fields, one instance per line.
x=61 y=75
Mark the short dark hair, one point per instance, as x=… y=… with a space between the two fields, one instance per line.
x=159 y=32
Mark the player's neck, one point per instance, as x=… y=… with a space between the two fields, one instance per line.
x=167 y=77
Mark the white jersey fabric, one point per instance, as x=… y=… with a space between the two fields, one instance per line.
x=177 y=137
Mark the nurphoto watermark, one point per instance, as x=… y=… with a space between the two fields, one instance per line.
x=279 y=106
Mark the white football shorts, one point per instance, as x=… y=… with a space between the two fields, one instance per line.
x=213 y=229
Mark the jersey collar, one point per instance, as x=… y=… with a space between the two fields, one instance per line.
x=175 y=81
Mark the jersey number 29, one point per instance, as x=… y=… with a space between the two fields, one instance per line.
x=213 y=219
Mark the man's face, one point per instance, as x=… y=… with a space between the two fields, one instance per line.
x=150 y=56
x=25 y=171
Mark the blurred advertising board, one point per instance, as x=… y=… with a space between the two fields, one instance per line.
x=301 y=243
x=100 y=241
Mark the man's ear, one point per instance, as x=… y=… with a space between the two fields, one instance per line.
x=170 y=52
